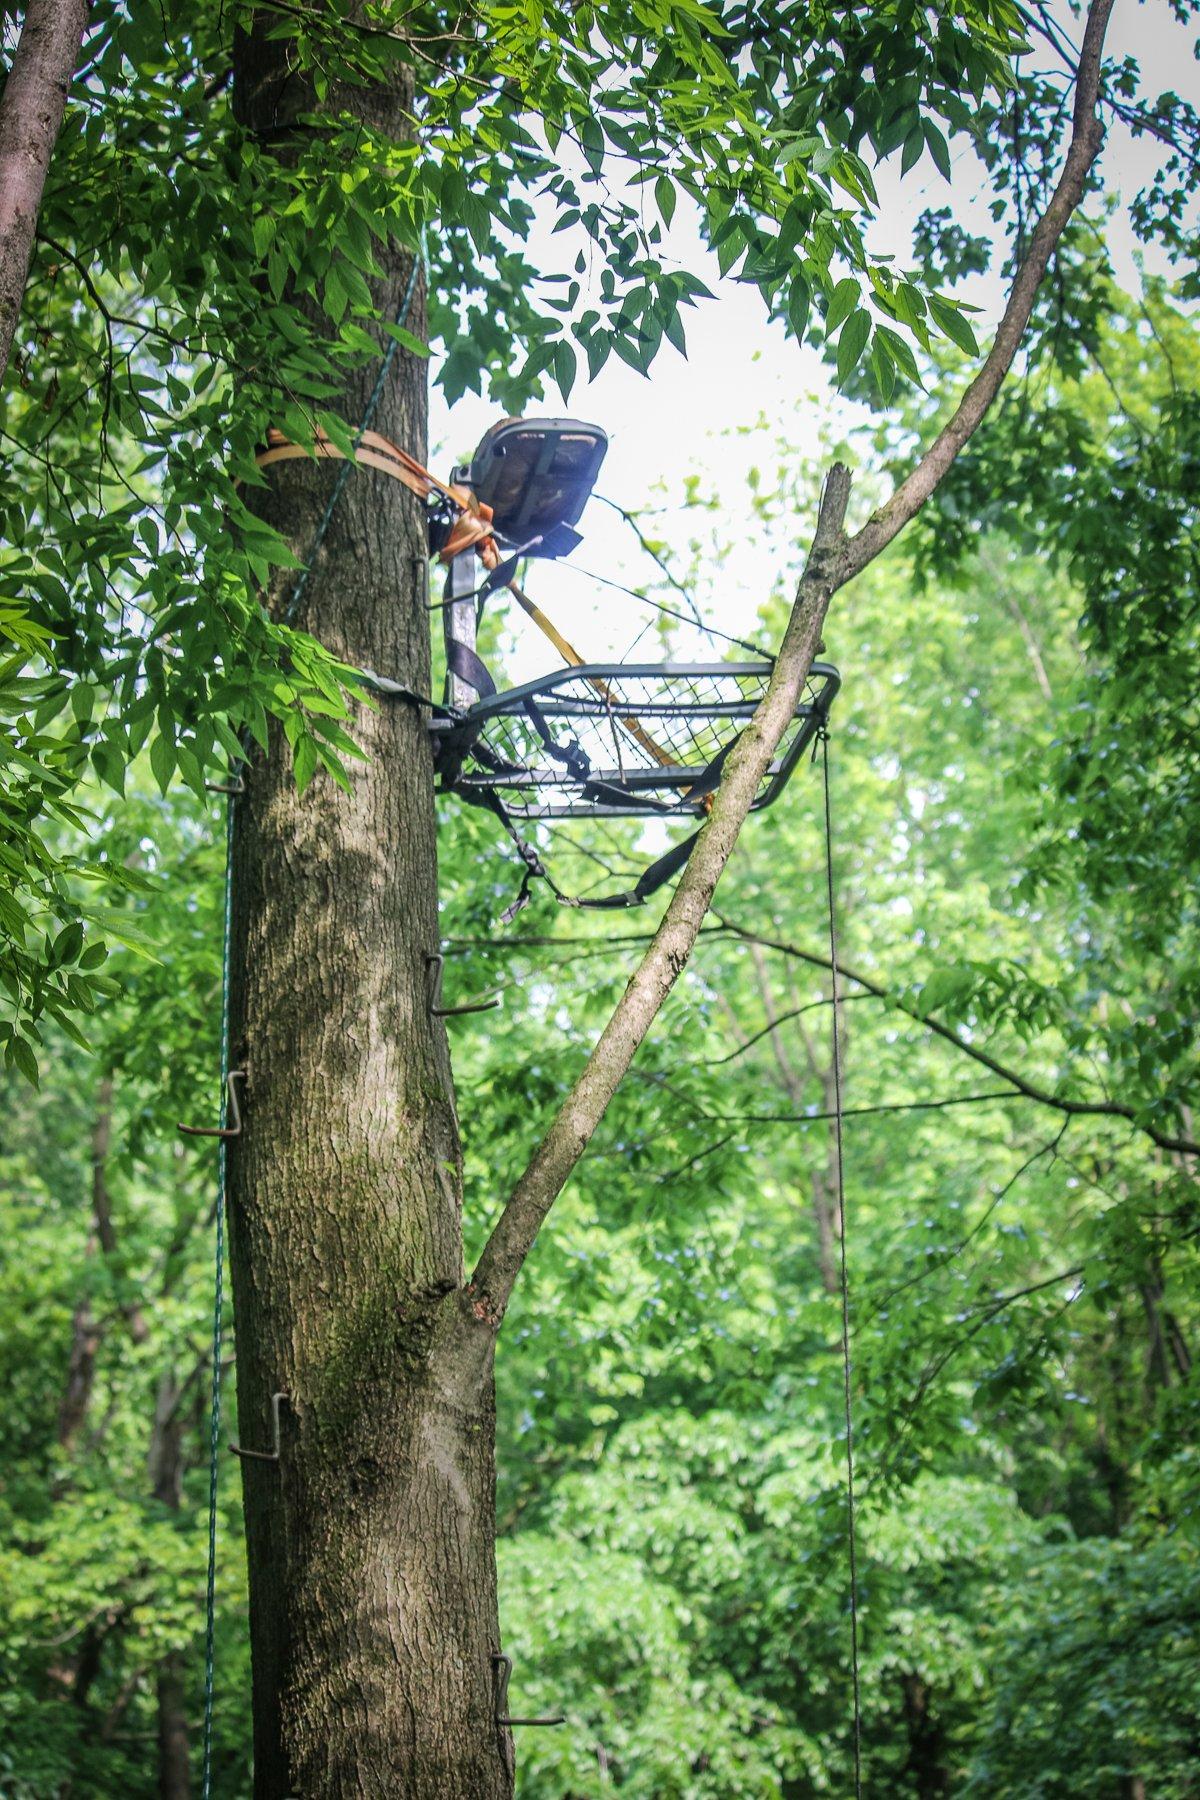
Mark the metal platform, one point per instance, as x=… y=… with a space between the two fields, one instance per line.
x=620 y=740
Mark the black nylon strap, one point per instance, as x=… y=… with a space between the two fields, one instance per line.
x=395 y=690
x=535 y=869
x=463 y=662
x=572 y=757
x=673 y=860
x=648 y=882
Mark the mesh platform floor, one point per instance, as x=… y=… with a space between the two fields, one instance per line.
x=649 y=733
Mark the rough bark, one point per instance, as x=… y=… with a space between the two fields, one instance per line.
x=371 y=1555
x=31 y=110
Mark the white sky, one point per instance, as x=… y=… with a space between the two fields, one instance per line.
x=743 y=382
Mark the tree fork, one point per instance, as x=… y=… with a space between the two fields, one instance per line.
x=373 y=1610
x=371 y=1539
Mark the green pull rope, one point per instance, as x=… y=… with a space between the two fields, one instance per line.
x=847 y=1365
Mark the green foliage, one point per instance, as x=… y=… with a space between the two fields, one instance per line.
x=1015 y=774
x=194 y=282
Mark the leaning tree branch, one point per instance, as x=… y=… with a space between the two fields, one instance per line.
x=671 y=946
x=31 y=111
x=833 y=560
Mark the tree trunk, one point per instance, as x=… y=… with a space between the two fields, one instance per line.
x=174 y=1762
x=32 y=103
x=373 y=1611
x=81 y=1367
x=85 y=1332
x=925 y=1767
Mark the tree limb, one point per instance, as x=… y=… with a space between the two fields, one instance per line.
x=832 y=561
x=1182 y=1144
x=31 y=111
x=671 y=946
x=1032 y=1090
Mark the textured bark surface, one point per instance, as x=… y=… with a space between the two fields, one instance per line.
x=31 y=109
x=371 y=1554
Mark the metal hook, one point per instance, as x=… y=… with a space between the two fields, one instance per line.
x=222 y=1131
x=501 y=1672
x=272 y=1455
x=436 y=962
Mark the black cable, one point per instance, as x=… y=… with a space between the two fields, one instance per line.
x=672 y=613
x=851 y=1533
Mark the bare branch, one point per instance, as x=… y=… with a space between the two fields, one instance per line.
x=1031 y=1090
x=31 y=110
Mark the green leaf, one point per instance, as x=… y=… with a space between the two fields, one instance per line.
x=162 y=762
x=799 y=302
x=20 y=1051
x=938 y=148
x=592 y=139
x=843 y=300
x=408 y=339
x=564 y=367
x=305 y=758
x=852 y=342
x=954 y=324
x=67 y=944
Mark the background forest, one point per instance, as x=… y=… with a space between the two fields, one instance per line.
x=1015 y=783
x=1014 y=769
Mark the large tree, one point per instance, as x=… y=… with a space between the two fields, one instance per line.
x=238 y=279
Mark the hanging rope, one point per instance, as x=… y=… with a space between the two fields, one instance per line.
x=847 y=1368
x=214 y=1421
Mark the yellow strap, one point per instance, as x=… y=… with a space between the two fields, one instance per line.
x=569 y=653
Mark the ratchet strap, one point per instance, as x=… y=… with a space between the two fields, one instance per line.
x=474 y=524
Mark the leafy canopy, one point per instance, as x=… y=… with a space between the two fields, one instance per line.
x=193 y=282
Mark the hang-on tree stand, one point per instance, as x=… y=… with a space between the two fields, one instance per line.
x=587 y=740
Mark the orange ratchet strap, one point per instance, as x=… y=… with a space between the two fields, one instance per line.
x=474 y=526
